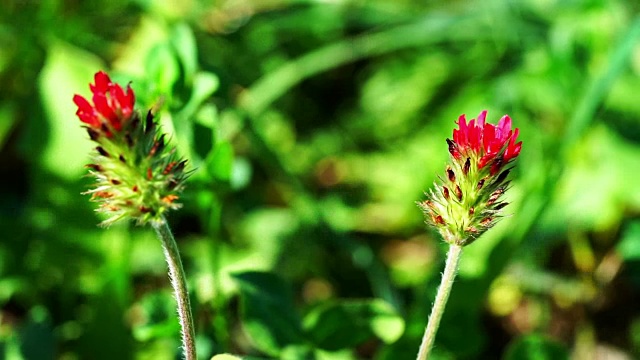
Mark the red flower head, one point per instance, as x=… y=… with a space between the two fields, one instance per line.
x=485 y=143
x=468 y=200
x=111 y=105
x=138 y=175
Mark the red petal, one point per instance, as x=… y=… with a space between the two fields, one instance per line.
x=102 y=83
x=85 y=111
x=103 y=106
x=120 y=101
x=513 y=149
x=460 y=136
x=481 y=118
x=129 y=99
x=82 y=103
x=504 y=125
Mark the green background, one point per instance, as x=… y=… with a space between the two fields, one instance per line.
x=312 y=128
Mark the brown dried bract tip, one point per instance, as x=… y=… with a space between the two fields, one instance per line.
x=445 y=192
x=102 y=151
x=487 y=221
x=503 y=175
x=129 y=139
x=168 y=168
x=158 y=145
x=495 y=196
x=472 y=230
x=453 y=148
x=94 y=167
x=458 y=193
x=102 y=194
x=480 y=184
x=93 y=134
x=180 y=166
x=451 y=175
x=500 y=206
x=467 y=166
x=437 y=219
x=150 y=126
x=172 y=184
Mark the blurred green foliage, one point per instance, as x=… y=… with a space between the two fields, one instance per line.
x=312 y=127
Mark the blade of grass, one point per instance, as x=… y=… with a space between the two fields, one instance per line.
x=600 y=86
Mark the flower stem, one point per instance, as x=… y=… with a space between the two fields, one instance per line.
x=449 y=274
x=179 y=284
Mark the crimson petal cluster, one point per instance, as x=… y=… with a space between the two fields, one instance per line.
x=489 y=144
x=112 y=106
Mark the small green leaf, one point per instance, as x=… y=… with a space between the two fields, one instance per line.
x=204 y=85
x=629 y=246
x=226 y=357
x=296 y=352
x=68 y=70
x=536 y=347
x=345 y=324
x=37 y=340
x=184 y=43
x=220 y=161
x=7 y=119
x=268 y=312
x=163 y=69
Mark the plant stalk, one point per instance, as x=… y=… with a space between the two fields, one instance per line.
x=179 y=284
x=449 y=274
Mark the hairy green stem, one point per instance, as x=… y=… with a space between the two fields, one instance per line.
x=449 y=274
x=179 y=284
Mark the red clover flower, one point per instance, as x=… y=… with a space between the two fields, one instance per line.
x=137 y=175
x=467 y=202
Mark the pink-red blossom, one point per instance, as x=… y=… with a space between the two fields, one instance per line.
x=112 y=106
x=488 y=143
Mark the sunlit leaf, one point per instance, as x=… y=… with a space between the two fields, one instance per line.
x=68 y=71
x=536 y=347
x=345 y=324
x=220 y=161
x=184 y=43
x=268 y=312
x=629 y=246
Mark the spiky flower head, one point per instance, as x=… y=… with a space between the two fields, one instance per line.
x=137 y=175
x=468 y=200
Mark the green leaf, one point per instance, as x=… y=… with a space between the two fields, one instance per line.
x=184 y=44
x=7 y=119
x=158 y=309
x=37 y=340
x=162 y=67
x=204 y=85
x=226 y=357
x=67 y=71
x=536 y=347
x=220 y=161
x=346 y=324
x=296 y=352
x=268 y=312
x=629 y=246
